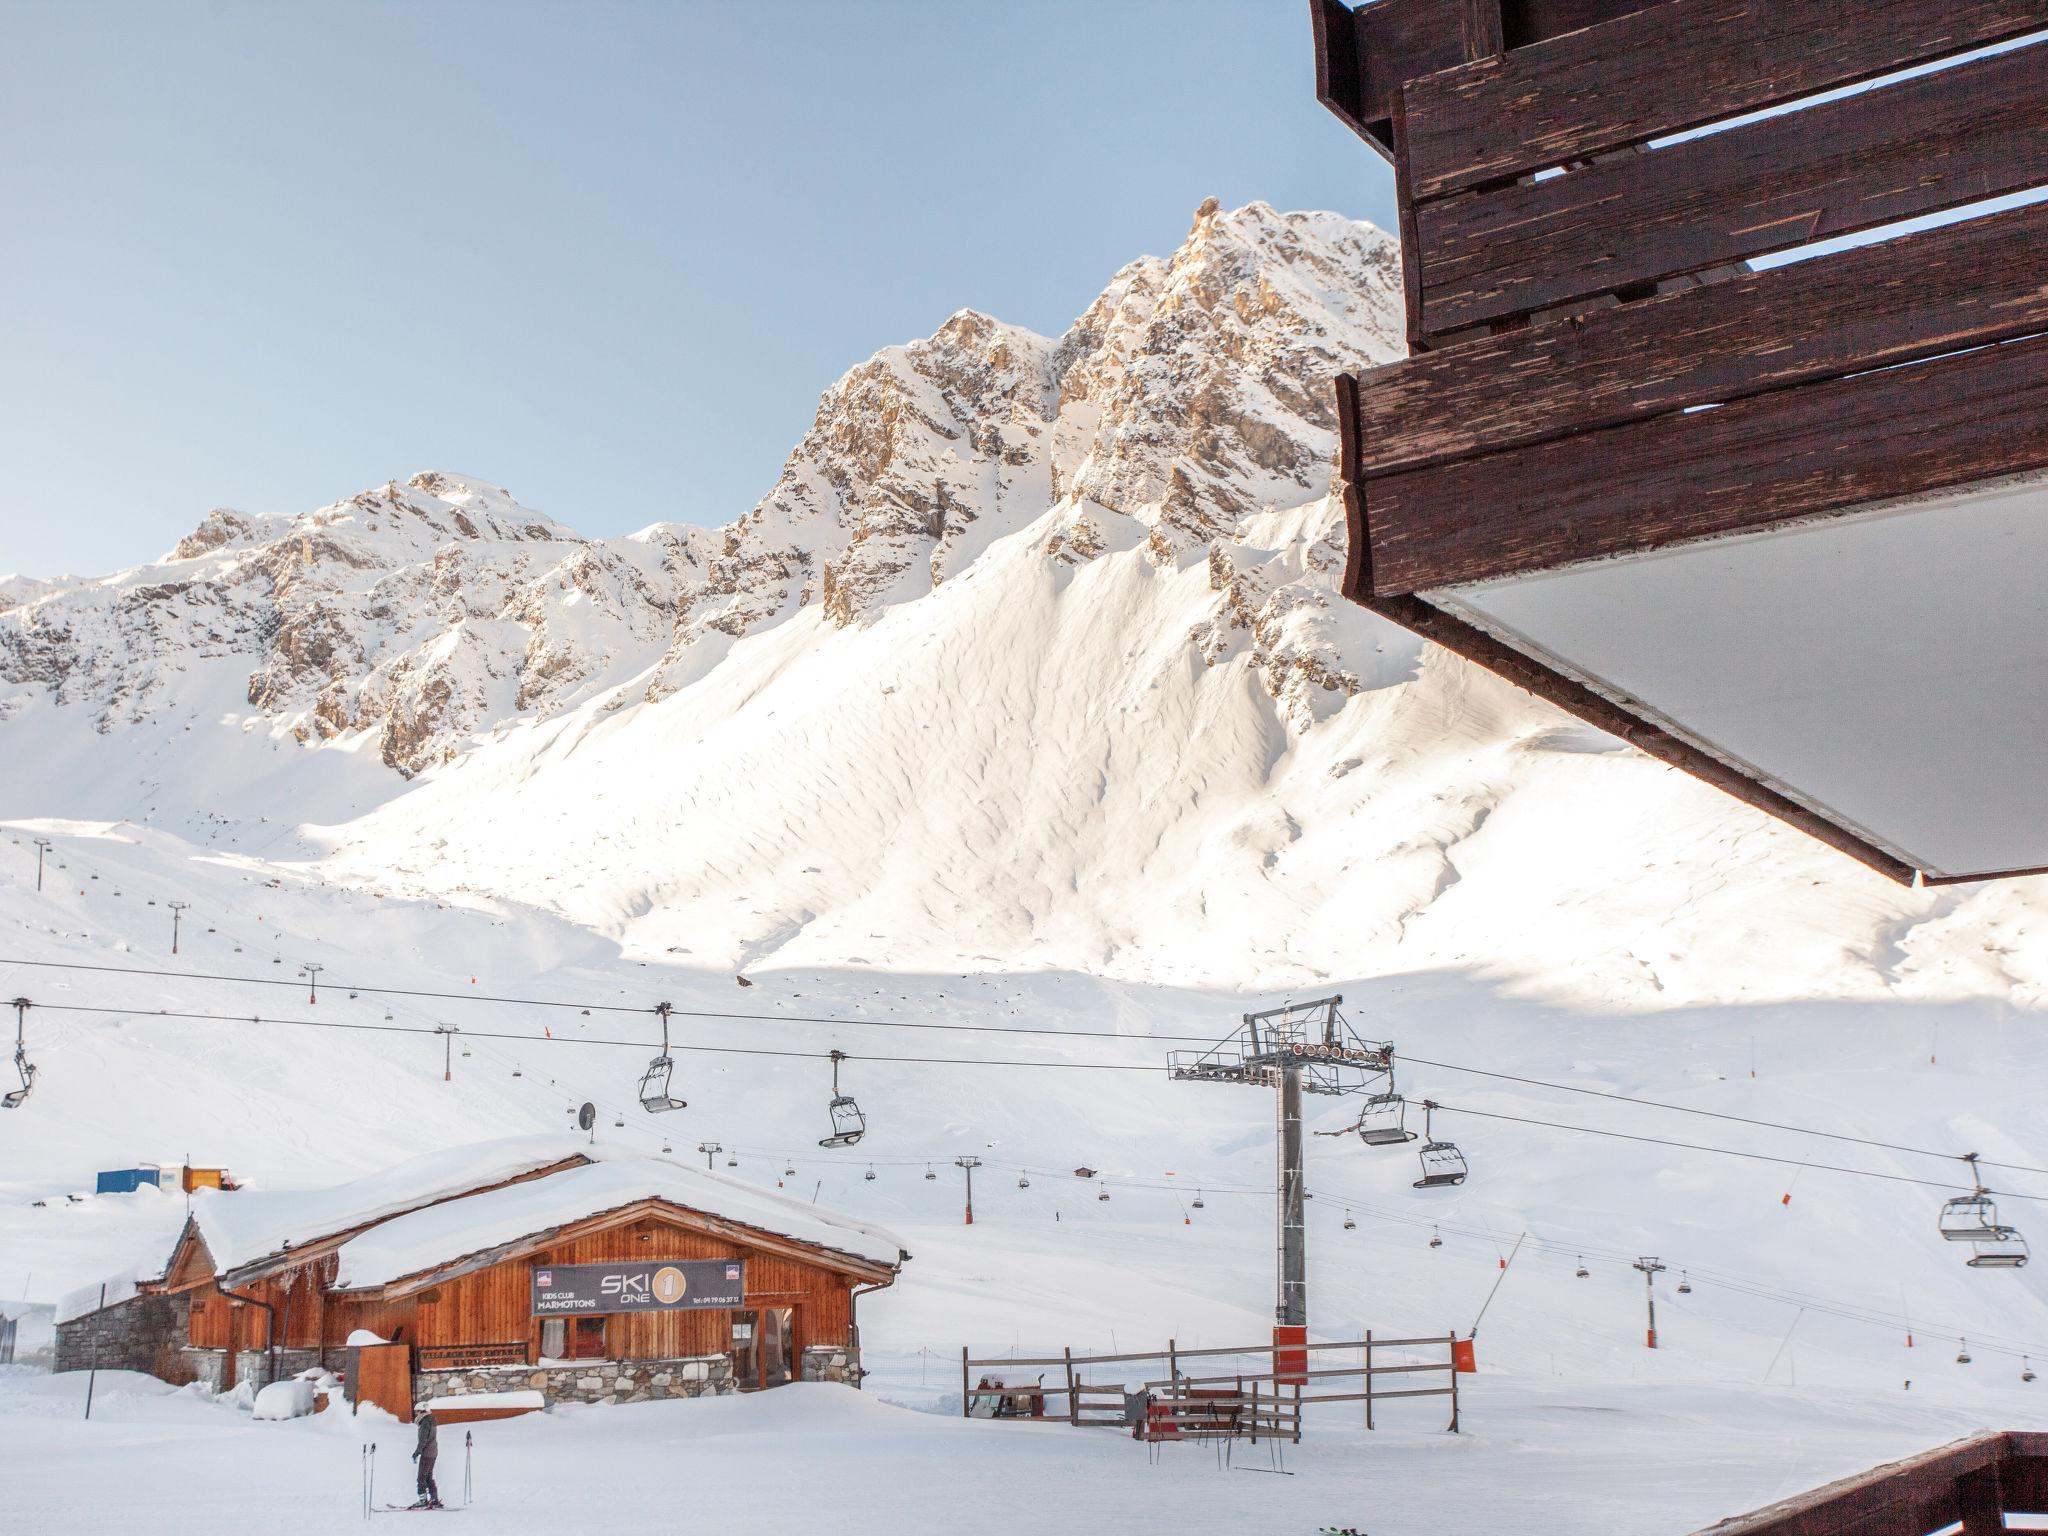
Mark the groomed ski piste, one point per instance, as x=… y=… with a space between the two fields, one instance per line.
x=1784 y=1367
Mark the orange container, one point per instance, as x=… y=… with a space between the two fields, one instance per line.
x=1463 y=1358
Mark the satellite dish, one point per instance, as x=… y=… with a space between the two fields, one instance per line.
x=586 y=1117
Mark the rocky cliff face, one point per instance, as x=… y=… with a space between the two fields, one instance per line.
x=1187 y=408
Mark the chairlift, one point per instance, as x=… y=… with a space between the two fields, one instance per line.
x=1970 y=1218
x=848 y=1123
x=1583 y=1273
x=666 y=1149
x=1963 y=1354
x=517 y=1072
x=1102 y=1194
x=2005 y=1249
x=1435 y=1239
x=619 y=1123
x=1024 y=1182
x=1198 y=1199
x=1442 y=1163
x=789 y=1172
x=732 y=1161
x=1684 y=1283
x=928 y=1172
x=656 y=1081
x=870 y=1174
x=1349 y=1224
x=25 y=1069
x=2026 y=1369
x=1381 y=1124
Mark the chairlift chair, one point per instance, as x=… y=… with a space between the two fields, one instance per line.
x=1023 y=1181
x=1349 y=1224
x=2026 y=1369
x=789 y=1172
x=928 y=1172
x=619 y=1123
x=1684 y=1283
x=25 y=1069
x=1582 y=1272
x=655 y=1097
x=1963 y=1354
x=848 y=1123
x=1381 y=1122
x=870 y=1174
x=1970 y=1218
x=1198 y=1199
x=1102 y=1194
x=1442 y=1163
x=2005 y=1249
x=1435 y=1238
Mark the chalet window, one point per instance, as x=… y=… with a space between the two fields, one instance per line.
x=554 y=1337
x=586 y=1338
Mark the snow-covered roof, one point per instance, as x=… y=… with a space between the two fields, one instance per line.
x=116 y=1288
x=409 y=1245
x=242 y=1226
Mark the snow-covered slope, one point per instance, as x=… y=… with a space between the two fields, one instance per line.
x=1024 y=699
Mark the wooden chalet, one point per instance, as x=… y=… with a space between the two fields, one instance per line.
x=1674 y=452
x=526 y=1265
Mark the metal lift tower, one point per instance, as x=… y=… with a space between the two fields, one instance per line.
x=1294 y=1049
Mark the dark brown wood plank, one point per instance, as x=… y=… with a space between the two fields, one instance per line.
x=1568 y=694
x=1975 y=131
x=1364 y=56
x=1674 y=66
x=1754 y=464
x=1945 y=289
x=1525 y=22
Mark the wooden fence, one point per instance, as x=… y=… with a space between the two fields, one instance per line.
x=1200 y=1403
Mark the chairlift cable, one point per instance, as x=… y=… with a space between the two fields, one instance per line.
x=1000 y=1029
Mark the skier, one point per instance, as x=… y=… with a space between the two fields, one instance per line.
x=424 y=1452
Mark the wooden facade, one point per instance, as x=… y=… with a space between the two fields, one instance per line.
x=469 y=1310
x=1597 y=368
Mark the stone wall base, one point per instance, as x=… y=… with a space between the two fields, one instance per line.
x=833 y=1362
x=588 y=1381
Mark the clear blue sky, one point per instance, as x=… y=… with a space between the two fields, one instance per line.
x=607 y=255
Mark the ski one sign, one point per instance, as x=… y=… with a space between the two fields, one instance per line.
x=560 y=1289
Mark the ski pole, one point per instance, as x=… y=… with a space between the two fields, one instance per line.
x=363 y=1476
x=468 y=1447
x=373 y=1473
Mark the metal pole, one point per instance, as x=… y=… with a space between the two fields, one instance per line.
x=177 y=909
x=969 y=1164
x=1651 y=1269
x=965 y=1396
x=94 y=1375
x=42 y=847
x=1291 y=1308
x=711 y=1149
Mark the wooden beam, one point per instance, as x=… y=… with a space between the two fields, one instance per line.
x=1672 y=67
x=1364 y=55
x=1568 y=694
x=1975 y=131
x=1939 y=291
x=1757 y=463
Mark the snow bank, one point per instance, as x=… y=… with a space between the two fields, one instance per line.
x=529 y=1400
x=409 y=1244
x=285 y=1400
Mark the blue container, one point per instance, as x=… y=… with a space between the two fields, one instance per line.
x=125 y=1181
